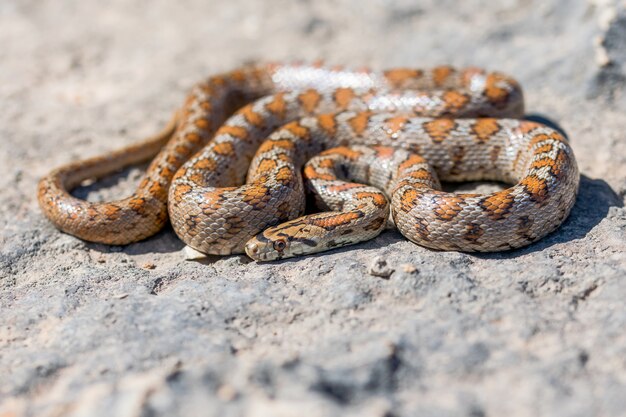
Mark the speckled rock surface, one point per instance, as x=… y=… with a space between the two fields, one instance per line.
x=91 y=330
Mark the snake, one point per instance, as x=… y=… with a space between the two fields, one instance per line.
x=228 y=172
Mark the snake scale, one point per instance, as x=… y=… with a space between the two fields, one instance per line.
x=228 y=169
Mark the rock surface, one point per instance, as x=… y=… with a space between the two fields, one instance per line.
x=91 y=330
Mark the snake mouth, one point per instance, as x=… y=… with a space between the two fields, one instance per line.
x=259 y=251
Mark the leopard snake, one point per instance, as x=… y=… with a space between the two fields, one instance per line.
x=228 y=168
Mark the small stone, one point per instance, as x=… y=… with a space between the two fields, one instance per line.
x=379 y=268
x=148 y=265
x=190 y=254
x=121 y=296
x=409 y=268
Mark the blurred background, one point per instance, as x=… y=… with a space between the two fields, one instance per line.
x=80 y=57
x=536 y=332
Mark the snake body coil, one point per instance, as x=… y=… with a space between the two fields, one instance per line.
x=412 y=118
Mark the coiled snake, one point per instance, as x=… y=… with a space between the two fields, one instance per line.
x=399 y=130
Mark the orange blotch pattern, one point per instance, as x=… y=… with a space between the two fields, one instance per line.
x=202 y=124
x=497 y=95
x=439 y=129
x=384 y=152
x=407 y=200
x=298 y=130
x=158 y=191
x=410 y=162
x=111 y=211
x=342 y=187
x=326 y=163
x=449 y=206
x=180 y=191
x=334 y=221
x=285 y=176
x=194 y=138
x=252 y=117
x=484 y=129
x=394 y=125
x=343 y=97
x=138 y=205
x=273 y=145
x=378 y=199
x=183 y=151
x=267 y=165
x=498 y=205
x=359 y=122
x=205 y=164
x=328 y=123
x=344 y=152
x=543 y=148
x=527 y=126
x=536 y=187
x=312 y=174
x=224 y=148
x=309 y=100
x=455 y=101
x=255 y=193
x=400 y=76
x=238 y=132
x=278 y=106
x=473 y=232
x=441 y=74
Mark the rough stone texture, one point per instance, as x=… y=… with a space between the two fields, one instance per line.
x=90 y=330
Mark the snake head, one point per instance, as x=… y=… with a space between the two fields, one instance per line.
x=282 y=241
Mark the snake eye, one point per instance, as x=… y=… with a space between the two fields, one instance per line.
x=279 y=245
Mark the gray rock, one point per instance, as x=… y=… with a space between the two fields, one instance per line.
x=610 y=79
x=92 y=330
